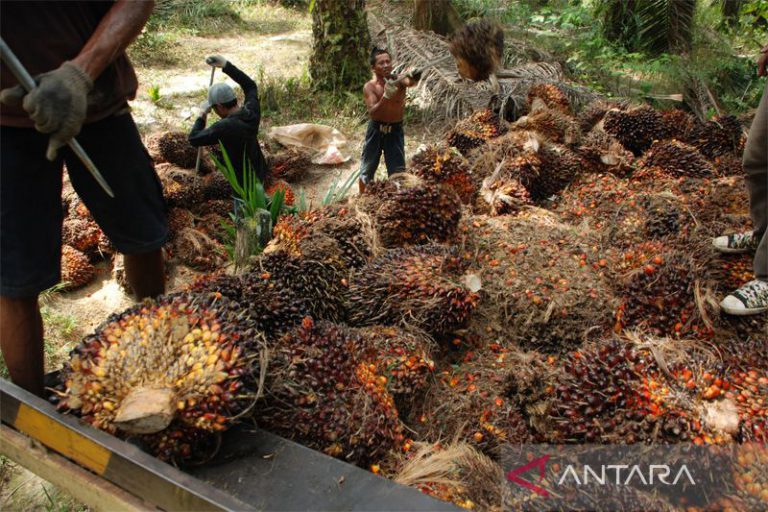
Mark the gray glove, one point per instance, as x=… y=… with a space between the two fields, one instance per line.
x=217 y=61
x=390 y=88
x=57 y=105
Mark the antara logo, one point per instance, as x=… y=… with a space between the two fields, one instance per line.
x=623 y=474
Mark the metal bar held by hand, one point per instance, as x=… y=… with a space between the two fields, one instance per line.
x=28 y=83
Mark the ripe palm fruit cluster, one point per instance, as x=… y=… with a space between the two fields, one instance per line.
x=748 y=388
x=169 y=368
x=322 y=394
x=289 y=164
x=478 y=48
x=179 y=219
x=614 y=392
x=552 y=124
x=174 y=148
x=720 y=136
x=317 y=280
x=76 y=270
x=593 y=113
x=551 y=95
x=637 y=128
x=559 y=166
x=216 y=186
x=409 y=211
x=749 y=479
x=419 y=286
x=679 y=123
x=181 y=187
x=677 y=159
x=276 y=185
x=603 y=153
x=659 y=296
x=448 y=167
x=475 y=131
x=403 y=357
x=82 y=234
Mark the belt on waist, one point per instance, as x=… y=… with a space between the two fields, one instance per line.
x=387 y=127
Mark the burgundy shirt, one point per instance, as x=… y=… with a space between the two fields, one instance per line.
x=45 y=34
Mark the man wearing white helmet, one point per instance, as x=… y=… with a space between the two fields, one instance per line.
x=238 y=128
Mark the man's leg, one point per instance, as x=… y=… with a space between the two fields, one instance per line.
x=756 y=171
x=369 y=161
x=21 y=339
x=145 y=273
x=394 y=151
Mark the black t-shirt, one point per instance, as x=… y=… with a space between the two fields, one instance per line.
x=45 y=34
x=237 y=132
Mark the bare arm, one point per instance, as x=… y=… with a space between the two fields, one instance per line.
x=374 y=102
x=118 y=29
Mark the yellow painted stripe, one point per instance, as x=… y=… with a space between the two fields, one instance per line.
x=58 y=437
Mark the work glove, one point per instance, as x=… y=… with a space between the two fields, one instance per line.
x=217 y=61
x=204 y=108
x=57 y=105
x=415 y=74
x=390 y=88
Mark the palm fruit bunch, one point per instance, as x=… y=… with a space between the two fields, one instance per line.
x=729 y=164
x=179 y=219
x=318 y=279
x=215 y=226
x=76 y=270
x=289 y=197
x=469 y=402
x=559 y=167
x=749 y=489
x=409 y=211
x=603 y=153
x=679 y=123
x=403 y=357
x=677 y=159
x=614 y=392
x=81 y=234
x=336 y=221
x=418 y=286
x=321 y=394
x=748 y=389
x=552 y=96
x=475 y=131
x=290 y=164
x=181 y=188
x=223 y=207
x=448 y=167
x=720 y=136
x=593 y=113
x=216 y=186
x=169 y=368
x=640 y=217
x=198 y=250
x=549 y=282
x=503 y=195
x=478 y=48
x=637 y=128
x=663 y=216
x=174 y=148
x=660 y=296
x=552 y=124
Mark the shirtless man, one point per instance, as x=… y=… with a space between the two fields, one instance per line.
x=385 y=99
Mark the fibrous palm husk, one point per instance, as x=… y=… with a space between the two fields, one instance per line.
x=551 y=123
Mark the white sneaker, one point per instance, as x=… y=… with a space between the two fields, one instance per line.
x=737 y=243
x=750 y=299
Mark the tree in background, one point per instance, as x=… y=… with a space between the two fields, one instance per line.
x=731 y=10
x=439 y=16
x=341 y=45
x=654 y=26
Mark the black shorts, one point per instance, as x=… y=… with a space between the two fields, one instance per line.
x=31 y=213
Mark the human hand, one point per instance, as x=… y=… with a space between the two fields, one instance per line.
x=762 y=60
x=217 y=61
x=57 y=105
x=390 y=88
x=204 y=108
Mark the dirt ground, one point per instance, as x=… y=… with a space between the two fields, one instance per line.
x=276 y=46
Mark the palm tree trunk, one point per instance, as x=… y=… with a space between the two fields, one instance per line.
x=439 y=16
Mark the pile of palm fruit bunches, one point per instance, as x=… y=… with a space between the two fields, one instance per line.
x=546 y=280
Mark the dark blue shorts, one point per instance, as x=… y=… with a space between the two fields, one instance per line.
x=386 y=138
x=31 y=213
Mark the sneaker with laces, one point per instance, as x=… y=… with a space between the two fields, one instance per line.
x=750 y=299
x=737 y=243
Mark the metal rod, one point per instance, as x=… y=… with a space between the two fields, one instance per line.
x=200 y=149
x=28 y=83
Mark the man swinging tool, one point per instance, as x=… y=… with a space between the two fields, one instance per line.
x=238 y=128
x=76 y=52
x=385 y=99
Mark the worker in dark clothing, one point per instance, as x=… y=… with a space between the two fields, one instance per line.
x=239 y=126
